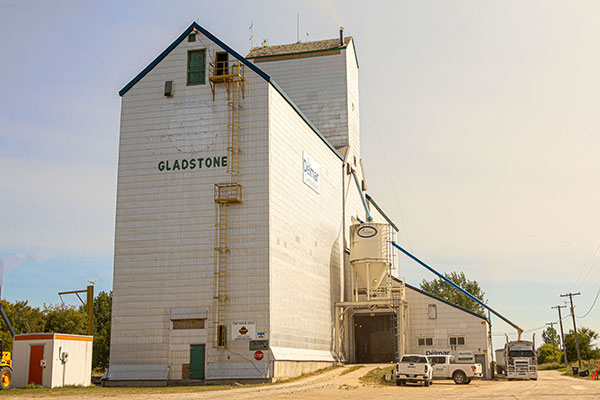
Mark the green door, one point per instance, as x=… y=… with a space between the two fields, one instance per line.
x=197 y=361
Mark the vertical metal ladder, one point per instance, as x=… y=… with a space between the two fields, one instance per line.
x=231 y=73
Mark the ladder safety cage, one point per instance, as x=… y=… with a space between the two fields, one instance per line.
x=231 y=74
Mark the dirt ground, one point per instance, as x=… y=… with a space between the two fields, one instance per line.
x=334 y=385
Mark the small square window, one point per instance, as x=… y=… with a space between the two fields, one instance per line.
x=457 y=341
x=425 y=341
x=192 y=37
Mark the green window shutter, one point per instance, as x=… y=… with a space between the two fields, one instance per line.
x=196 y=67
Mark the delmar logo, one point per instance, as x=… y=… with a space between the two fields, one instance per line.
x=367 y=231
x=311 y=172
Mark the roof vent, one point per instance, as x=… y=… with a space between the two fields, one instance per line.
x=341 y=36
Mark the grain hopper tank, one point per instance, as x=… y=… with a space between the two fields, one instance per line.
x=371 y=258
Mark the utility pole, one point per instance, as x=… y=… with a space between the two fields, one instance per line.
x=562 y=335
x=570 y=296
x=553 y=341
x=88 y=304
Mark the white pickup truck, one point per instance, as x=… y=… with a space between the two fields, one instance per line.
x=413 y=368
x=444 y=367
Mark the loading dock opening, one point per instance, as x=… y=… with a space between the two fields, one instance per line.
x=373 y=338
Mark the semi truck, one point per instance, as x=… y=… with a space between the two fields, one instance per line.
x=517 y=360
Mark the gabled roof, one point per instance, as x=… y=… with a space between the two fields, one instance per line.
x=252 y=66
x=298 y=48
x=442 y=300
x=185 y=34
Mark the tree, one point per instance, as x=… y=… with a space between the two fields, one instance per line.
x=546 y=354
x=23 y=318
x=444 y=290
x=587 y=347
x=102 y=316
x=62 y=318
x=550 y=335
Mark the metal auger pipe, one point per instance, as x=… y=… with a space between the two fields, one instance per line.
x=469 y=295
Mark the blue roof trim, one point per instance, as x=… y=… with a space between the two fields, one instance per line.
x=234 y=53
x=305 y=118
x=179 y=40
x=443 y=301
x=381 y=212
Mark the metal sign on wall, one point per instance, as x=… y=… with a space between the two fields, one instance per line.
x=245 y=330
x=258 y=345
x=311 y=172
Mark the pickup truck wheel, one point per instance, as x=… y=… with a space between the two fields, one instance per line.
x=468 y=381
x=459 y=377
x=426 y=383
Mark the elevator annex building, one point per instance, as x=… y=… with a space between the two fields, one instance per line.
x=247 y=246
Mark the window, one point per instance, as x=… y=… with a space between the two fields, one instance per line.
x=414 y=359
x=437 y=360
x=188 y=324
x=196 y=67
x=221 y=63
x=192 y=37
x=425 y=341
x=457 y=341
x=432 y=310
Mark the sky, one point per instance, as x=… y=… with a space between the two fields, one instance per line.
x=479 y=135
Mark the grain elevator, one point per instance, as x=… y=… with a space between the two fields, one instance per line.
x=246 y=245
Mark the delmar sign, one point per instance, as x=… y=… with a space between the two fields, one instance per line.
x=311 y=169
x=243 y=330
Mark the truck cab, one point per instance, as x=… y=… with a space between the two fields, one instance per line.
x=517 y=360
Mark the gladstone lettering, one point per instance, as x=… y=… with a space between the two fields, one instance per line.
x=192 y=163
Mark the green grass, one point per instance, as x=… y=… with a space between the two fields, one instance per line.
x=377 y=377
x=351 y=369
x=552 y=365
x=82 y=391
x=307 y=375
x=590 y=365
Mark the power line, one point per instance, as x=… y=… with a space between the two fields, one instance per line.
x=386 y=162
x=583 y=268
x=592 y=307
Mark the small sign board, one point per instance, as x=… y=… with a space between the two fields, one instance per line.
x=258 y=355
x=259 y=345
x=243 y=330
x=312 y=172
x=465 y=356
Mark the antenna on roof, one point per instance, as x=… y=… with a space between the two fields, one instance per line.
x=298 y=28
x=251 y=29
